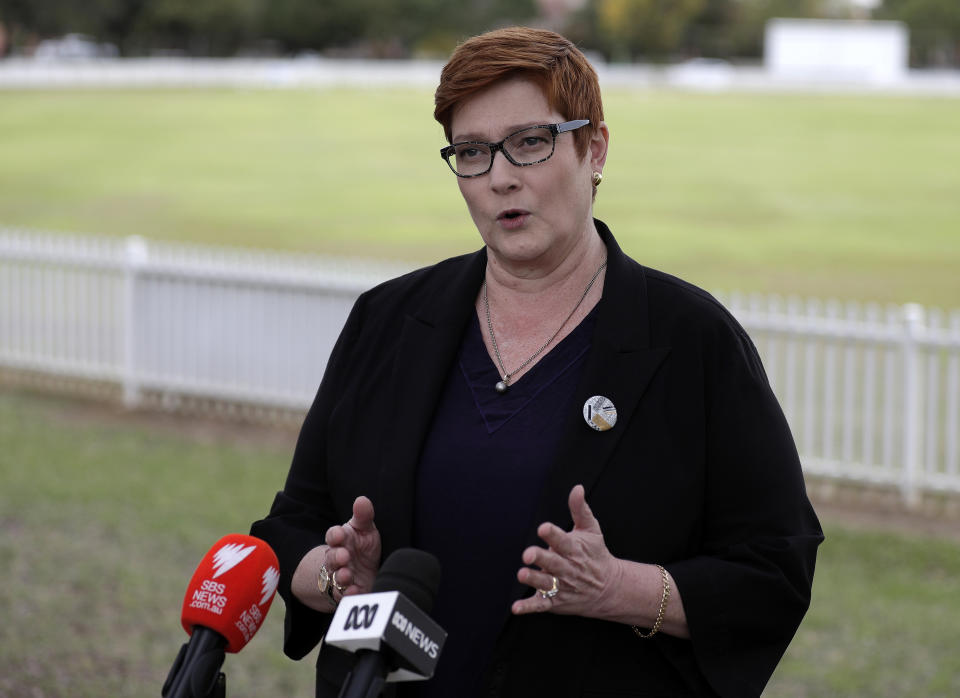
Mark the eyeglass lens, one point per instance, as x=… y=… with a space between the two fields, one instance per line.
x=526 y=147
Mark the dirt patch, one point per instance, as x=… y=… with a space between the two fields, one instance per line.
x=863 y=507
x=204 y=422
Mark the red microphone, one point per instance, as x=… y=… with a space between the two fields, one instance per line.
x=225 y=604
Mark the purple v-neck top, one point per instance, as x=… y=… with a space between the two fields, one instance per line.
x=478 y=485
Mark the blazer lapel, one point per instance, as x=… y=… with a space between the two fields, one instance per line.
x=620 y=365
x=430 y=337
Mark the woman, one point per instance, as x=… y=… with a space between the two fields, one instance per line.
x=589 y=446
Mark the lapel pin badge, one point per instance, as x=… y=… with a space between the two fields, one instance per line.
x=600 y=413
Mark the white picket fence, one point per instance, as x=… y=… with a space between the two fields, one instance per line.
x=872 y=394
x=225 y=324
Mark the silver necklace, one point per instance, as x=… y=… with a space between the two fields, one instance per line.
x=504 y=383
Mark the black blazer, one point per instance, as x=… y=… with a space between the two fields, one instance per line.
x=700 y=474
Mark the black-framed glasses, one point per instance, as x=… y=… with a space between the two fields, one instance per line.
x=528 y=146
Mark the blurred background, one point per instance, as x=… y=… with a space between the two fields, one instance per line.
x=619 y=30
x=192 y=194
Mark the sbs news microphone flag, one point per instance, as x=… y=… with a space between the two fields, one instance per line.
x=232 y=589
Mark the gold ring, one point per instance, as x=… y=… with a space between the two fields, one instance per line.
x=552 y=591
x=333 y=581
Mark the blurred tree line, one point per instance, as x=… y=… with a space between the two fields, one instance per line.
x=620 y=30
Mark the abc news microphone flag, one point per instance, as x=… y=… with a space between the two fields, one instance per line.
x=232 y=589
x=388 y=621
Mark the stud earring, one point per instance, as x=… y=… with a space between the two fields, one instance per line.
x=597 y=178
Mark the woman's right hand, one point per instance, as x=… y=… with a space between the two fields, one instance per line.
x=354 y=549
x=352 y=555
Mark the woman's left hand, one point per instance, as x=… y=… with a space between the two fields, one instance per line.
x=588 y=575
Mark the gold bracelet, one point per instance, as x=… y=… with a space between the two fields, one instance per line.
x=658 y=623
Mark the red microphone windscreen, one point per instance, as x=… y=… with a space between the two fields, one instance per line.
x=232 y=589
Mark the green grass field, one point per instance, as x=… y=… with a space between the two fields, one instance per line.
x=849 y=197
x=104 y=516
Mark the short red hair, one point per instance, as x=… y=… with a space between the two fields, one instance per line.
x=567 y=78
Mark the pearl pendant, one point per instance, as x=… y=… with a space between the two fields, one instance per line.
x=500 y=387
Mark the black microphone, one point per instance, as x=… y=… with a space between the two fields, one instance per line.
x=390 y=628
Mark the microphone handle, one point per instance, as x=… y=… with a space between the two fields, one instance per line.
x=197 y=668
x=367 y=678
